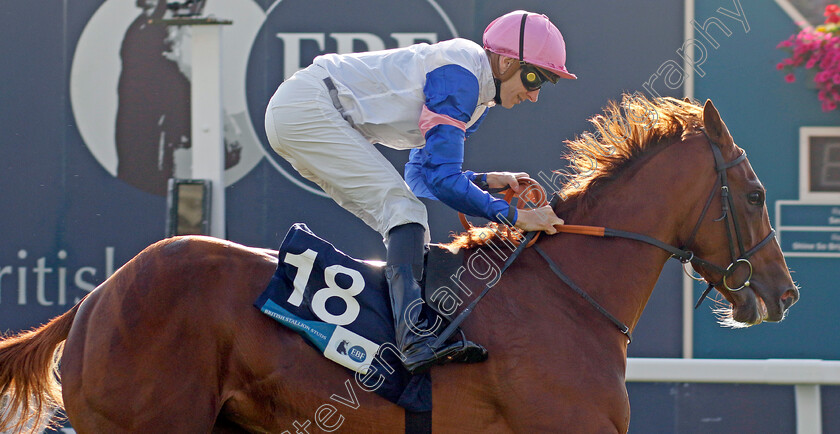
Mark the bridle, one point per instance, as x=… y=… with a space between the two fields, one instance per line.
x=683 y=254
x=727 y=207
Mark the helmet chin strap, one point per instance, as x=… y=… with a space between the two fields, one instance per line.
x=498 y=76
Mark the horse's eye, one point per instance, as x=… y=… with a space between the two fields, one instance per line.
x=756 y=198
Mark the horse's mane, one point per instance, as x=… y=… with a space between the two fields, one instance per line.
x=622 y=134
x=480 y=235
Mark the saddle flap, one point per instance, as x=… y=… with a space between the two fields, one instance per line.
x=442 y=272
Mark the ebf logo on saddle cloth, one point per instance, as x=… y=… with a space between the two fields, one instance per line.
x=340 y=305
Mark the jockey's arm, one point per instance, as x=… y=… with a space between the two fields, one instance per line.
x=435 y=170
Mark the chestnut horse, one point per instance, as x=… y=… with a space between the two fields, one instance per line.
x=172 y=342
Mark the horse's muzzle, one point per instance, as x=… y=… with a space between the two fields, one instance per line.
x=789 y=298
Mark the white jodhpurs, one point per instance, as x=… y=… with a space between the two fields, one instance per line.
x=305 y=128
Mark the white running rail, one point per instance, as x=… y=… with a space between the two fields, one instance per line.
x=805 y=375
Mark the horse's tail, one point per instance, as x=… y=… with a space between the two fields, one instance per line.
x=30 y=391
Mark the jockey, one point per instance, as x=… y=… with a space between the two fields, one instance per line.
x=325 y=119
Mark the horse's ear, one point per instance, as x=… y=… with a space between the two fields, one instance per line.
x=714 y=125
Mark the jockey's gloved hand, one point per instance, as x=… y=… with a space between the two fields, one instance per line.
x=538 y=219
x=501 y=180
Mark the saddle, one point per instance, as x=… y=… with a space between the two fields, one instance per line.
x=341 y=306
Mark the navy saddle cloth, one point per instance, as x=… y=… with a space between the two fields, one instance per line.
x=342 y=307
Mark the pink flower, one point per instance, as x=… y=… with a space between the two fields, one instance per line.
x=820 y=77
x=818 y=50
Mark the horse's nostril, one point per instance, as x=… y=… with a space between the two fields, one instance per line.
x=790 y=297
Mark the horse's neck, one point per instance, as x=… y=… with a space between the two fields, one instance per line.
x=654 y=198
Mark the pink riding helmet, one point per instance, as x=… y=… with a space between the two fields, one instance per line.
x=543 y=44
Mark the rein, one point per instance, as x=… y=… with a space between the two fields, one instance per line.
x=684 y=255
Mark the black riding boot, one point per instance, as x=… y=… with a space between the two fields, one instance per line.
x=404 y=268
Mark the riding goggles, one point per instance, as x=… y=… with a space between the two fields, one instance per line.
x=533 y=77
